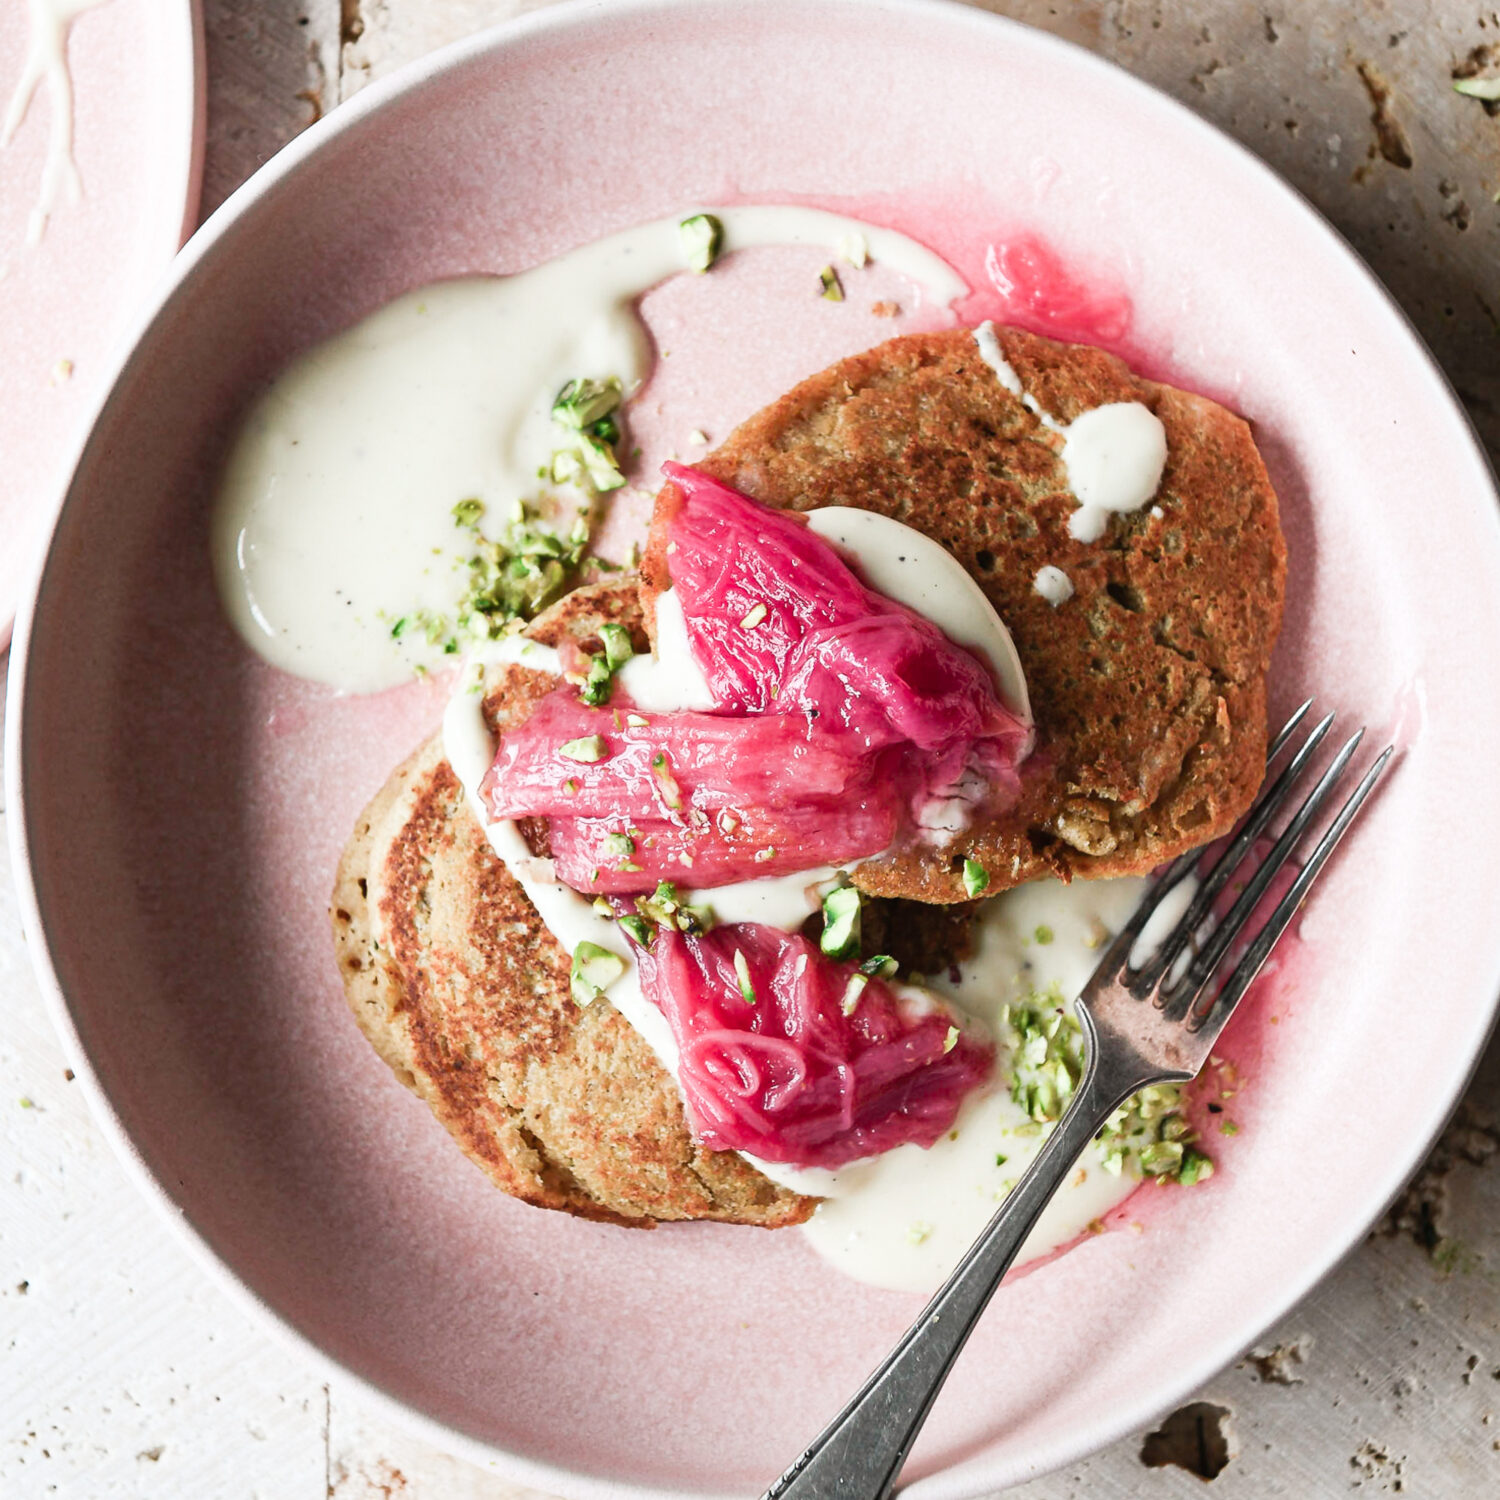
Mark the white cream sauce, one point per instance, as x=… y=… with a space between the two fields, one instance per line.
x=334 y=517
x=1053 y=585
x=47 y=62
x=1114 y=455
x=904 y=1219
x=670 y=678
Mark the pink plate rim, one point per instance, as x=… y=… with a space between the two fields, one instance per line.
x=1151 y=1399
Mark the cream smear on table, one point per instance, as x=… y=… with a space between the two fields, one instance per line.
x=334 y=517
x=47 y=62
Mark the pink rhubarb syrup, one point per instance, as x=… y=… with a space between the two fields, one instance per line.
x=841 y=718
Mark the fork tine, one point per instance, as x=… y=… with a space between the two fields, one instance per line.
x=1256 y=954
x=1298 y=714
x=1142 y=981
x=1184 y=994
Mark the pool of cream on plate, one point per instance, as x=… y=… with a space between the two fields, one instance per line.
x=335 y=517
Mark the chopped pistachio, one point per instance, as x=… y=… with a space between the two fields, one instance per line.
x=833 y=290
x=597 y=683
x=599 y=462
x=976 y=878
x=1478 y=88
x=880 y=966
x=1195 y=1168
x=637 y=928
x=666 y=782
x=616 y=642
x=594 y=970
x=841 y=910
x=468 y=512
x=728 y=821
x=918 y=1232
x=1161 y=1158
x=742 y=976
x=852 y=991
x=701 y=237
x=582 y=402
x=1000 y=1160
x=1228 y=1127
x=619 y=845
x=637 y=721
x=398 y=629
x=764 y=856
x=1043 y=934
x=754 y=615
x=855 y=249
x=951 y=1040
x=570 y=787
x=587 y=749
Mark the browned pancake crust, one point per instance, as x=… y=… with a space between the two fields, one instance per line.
x=464 y=993
x=1148 y=685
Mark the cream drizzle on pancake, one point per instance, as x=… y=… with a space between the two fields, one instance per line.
x=1114 y=454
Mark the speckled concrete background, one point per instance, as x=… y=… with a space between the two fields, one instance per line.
x=123 y=1373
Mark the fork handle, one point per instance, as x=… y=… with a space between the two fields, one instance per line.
x=860 y=1453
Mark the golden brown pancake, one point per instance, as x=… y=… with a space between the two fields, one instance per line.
x=1148 y=685
x=464 y=993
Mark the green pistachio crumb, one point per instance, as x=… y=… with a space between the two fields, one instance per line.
x=855 y=249
x=841 y=914
x=587 y=749
x=879 y=966
x=616 y=642
x=637 y=928
x=951 y=1040
x=742 y=976
x=597 y=684
x=701 y=238
x=754 y=616
x=976 y=878
x=852 y=992
x=666 y=782
x=594 y=970
x=619 y=845
x=1043 y=934
x=833 y=290
x=582 y=402
x=1478 y=88
x=1195 y=1168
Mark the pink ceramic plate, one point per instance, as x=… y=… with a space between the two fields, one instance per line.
x=74 y=281
x=180 y=807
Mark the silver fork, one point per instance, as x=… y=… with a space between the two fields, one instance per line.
x=1129 y=1045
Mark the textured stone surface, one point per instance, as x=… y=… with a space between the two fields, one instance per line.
x=125 y=1373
